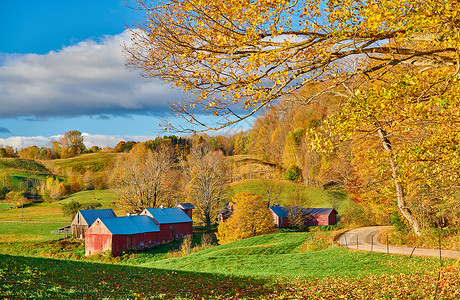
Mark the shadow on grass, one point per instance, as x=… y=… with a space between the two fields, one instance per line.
x=31 y=277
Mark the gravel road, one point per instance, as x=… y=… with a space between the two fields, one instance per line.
x=366 y=239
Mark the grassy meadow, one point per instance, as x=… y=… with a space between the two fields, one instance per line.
x=52 y=211
x=266 y=267
x=94 y=162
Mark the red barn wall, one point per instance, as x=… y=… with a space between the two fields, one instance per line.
x=174 y=231
x=97 y=239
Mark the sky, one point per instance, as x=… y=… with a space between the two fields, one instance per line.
x=62 y=68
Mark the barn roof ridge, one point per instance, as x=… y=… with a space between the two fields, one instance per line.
x=130 y=224
x=168 y=215
x=283 y=212
x=90 y=215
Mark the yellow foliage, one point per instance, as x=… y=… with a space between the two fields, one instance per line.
x=252 y=217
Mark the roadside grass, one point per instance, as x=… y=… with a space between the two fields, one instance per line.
x=94 y=162
x=313 y=197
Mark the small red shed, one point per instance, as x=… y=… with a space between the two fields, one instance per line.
x=173 y=222
x=313 y=216
x=119 y=234
x=187 y=208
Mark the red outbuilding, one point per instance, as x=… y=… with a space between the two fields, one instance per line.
x=187 y=208
x=174 y=223
x=313 y=216
x=119 y=234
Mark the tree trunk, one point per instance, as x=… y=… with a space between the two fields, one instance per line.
x=405 y=211
x=208 y=222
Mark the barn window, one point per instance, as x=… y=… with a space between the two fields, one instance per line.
x=323 y=220
x=142 y=244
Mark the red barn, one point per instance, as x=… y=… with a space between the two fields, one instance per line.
x=313 y=216
x=119 y=234
x=187 y=208
x=174 y=223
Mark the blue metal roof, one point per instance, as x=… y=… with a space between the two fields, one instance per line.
x=283 y=212
x=317 y=211
x=168 y=215
x=130 y=225
x=279 y=211
x=186 y=206
x=90 y=215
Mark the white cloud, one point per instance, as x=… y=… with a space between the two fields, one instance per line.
x=18 y=142
x=88 y=78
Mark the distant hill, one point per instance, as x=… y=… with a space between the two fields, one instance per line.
x=16 y=165
x=94 y=162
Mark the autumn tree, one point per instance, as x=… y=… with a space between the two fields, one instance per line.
x=5 y=184
x=236 y=57
x=140 y=178
x=233 y=53
x=205 y=171
x=406 y=135
x=71 y=143
x=251 y=218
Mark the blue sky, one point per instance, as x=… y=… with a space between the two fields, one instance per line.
x=62 y=68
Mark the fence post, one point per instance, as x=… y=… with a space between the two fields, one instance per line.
x=356 y=242
x=372 y=243
x=388 y=247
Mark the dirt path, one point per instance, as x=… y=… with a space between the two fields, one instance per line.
x=365 y=239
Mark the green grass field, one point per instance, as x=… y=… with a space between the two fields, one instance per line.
x=277 y=255
x=52 y=211
x=266 y=267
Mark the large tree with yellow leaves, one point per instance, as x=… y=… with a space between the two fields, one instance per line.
x=231 y=53
x=235 y=57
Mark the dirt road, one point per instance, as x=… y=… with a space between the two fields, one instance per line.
x=365 y=239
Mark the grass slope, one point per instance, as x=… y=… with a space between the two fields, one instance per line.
x=95 y=162
x=13 y=165
x=267 y=267
x=313 y=197
x=277 y=255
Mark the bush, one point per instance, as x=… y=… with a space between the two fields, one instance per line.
x=71 y=209
x=293 y=173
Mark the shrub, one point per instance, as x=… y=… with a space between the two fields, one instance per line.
x=293 y=173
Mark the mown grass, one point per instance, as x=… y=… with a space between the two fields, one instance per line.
x=26 y=232
x=310 y=197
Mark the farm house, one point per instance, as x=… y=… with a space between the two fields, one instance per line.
x=85 y=218
x=174 y=223
x=119 y=234
x=313 y=216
